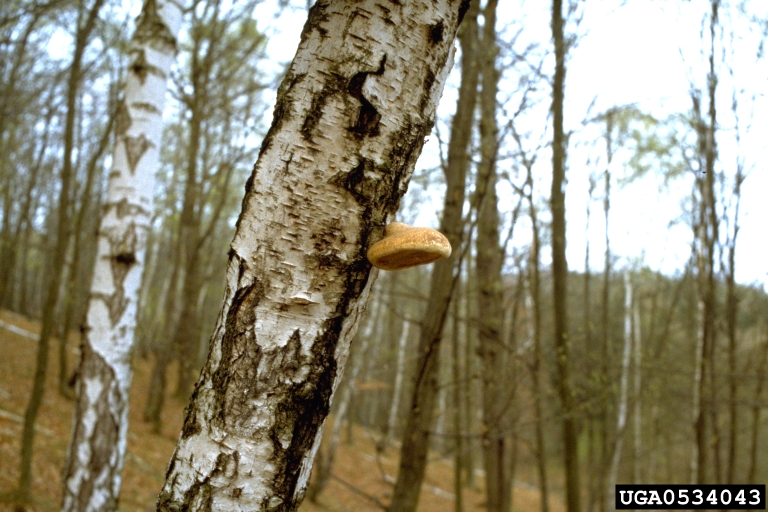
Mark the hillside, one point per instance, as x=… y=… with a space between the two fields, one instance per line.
x=148 y=453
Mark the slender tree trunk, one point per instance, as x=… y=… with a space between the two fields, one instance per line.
x=397 y=389
x=507 y=369
x=639 y=456
x=621 y=421
x=8 y=117
x=592 y=474
x=470 y=353
x=732 y=309
x=490 y=258
x=560 y=268
x=96 y=452
x=188 y=327
x=606 y=359
x=438 y=443
x=415 y=443
x=535 y=287
x=75 y=280
x=163 y=347
x=56 y=270
x=22 y=228
x=459 y=383
x=756 y=410
x=707 y=232
x=350 y=120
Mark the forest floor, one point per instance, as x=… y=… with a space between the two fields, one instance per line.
x=356 y=469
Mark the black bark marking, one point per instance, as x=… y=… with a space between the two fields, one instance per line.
x=248 y=189
x=122 y=256
x=463 y=8
x=426 y=93
x=286 y=166
x=135 y=147
x=307 y=404
x=147 y=107
x=386 y=14
x=126 y=259
x=236 y=337
x=303 y=410
x=385 y=182
x=123 y=119
x=368 y=118
x=316 y=17
x=436 y=33
x=240 y=353
x=151 y=29
x=324 y=255
x=353 y=181
x=103 y=438
x=319 y=99
x=116 y=303
x=140 y=66
x=406 y=148
x=200 y=493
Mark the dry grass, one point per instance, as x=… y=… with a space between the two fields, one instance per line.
x=148 y=453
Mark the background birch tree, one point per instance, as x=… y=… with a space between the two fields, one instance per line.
x=97 y=447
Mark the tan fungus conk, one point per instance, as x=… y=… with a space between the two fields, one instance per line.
x=405 y=246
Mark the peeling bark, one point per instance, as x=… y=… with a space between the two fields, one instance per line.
x=96 y=451
x=330 y=175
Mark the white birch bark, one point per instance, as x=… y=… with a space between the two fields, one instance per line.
x=638 y=413
x=350 y=121
x=96 y=451
x=621 y=421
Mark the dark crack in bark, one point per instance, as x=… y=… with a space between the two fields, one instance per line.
x=135 y=147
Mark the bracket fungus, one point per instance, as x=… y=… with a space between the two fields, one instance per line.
x=405 y=246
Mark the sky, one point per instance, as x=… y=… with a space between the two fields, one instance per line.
x=645 y=53
x=640 y=52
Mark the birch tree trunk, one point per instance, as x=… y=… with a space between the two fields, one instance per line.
x=350 y=121
x=96 y=450
x=621 y=421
